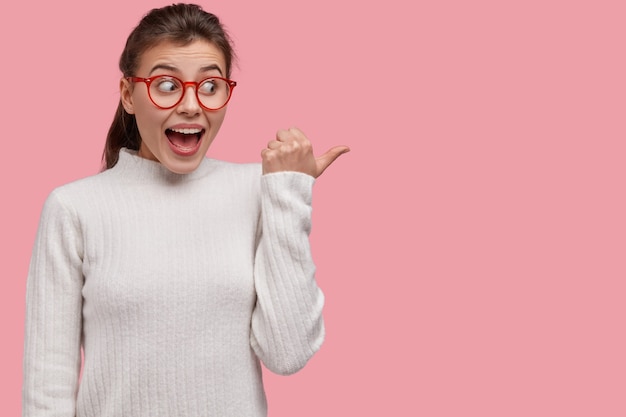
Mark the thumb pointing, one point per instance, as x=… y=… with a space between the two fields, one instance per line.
x=324 y=161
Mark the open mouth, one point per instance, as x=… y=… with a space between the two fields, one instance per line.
x=185 y=140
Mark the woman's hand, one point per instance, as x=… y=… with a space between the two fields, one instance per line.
x=292 y=151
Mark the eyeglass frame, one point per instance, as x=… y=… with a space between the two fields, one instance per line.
x=232 y=84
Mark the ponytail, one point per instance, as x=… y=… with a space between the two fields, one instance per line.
x=123 y=133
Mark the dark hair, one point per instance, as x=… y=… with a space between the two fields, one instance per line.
x=179 y=23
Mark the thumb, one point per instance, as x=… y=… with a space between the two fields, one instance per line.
x=324 y=161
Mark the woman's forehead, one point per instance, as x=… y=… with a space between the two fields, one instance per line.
x=192 y=56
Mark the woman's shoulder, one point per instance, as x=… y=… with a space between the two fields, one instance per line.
x=70 y=196
x=249 y=168
x=83 y=186
x=247 y=172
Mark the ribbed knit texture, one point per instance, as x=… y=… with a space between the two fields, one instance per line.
x=175 y=286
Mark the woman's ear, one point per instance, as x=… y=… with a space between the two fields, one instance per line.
x=126 y=95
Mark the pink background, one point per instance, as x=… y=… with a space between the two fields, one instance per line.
x=472 y=244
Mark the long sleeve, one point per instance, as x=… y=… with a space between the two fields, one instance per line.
x=287 y=324
x=53 y=315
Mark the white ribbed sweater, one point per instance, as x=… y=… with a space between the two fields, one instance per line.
x=175 y=286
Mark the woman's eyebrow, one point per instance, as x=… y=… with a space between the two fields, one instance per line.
x=211 y=68
x=164 y=67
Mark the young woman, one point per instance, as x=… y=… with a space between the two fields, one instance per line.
x=174 y=273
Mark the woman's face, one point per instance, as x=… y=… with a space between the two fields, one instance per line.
x=178 y=137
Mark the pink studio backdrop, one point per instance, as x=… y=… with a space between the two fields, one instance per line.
x=471 y=246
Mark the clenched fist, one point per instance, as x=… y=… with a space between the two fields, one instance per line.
x=292 y=151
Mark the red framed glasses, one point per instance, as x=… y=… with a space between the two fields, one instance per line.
x=166 y=91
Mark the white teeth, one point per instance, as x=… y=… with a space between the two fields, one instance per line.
x=187 y=131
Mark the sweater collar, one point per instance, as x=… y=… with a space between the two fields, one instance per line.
x=133 y=165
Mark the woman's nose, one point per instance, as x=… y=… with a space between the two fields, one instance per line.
x=189 y=104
